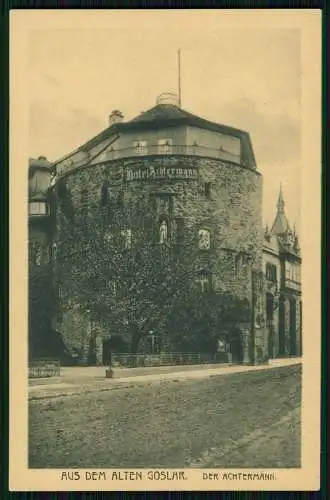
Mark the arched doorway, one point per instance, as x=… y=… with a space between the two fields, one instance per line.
x=293 y=327
x=236 y=346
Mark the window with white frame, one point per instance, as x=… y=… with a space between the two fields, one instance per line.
x=37 y=208
x=164 y=146
x=204 y=239
x=140 y=147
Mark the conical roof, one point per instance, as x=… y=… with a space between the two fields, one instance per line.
x=281 y=224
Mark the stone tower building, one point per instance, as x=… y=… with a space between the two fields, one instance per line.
x=187 y=175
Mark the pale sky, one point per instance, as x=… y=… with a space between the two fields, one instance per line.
x=248 y=78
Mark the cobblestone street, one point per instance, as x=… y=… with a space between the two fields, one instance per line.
x=248 y=419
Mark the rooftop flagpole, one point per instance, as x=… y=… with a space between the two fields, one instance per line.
x=179 y=76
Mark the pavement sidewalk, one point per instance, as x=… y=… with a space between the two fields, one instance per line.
x=81 y=380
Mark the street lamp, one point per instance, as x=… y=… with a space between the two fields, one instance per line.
x=151 y=333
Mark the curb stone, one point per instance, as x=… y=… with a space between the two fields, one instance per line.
x=109 y=386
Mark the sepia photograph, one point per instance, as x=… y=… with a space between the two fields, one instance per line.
x=165 y=245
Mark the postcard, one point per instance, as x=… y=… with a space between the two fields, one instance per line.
x=165 y=214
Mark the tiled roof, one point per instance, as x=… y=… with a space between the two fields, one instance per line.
x=281 y=223
x=170 y=113
x=161 y=112
x=167 y=115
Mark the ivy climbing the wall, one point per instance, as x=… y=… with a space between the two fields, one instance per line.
x=65 y=200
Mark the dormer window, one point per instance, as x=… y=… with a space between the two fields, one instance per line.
x=37 y=208
x=164 y=146
x=140 y=147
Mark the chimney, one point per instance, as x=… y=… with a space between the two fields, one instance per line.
x=116 y=116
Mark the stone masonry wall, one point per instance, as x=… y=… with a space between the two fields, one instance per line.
x=232 y=213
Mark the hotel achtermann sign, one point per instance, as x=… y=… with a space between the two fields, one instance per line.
x=140 y=173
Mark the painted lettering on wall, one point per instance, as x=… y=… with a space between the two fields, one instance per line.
x=151 y=173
